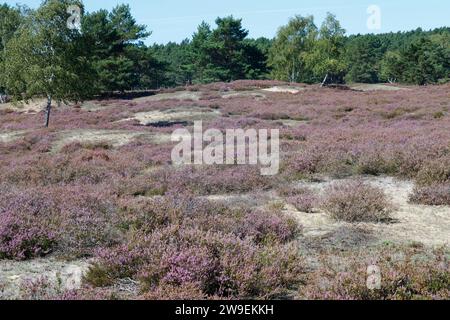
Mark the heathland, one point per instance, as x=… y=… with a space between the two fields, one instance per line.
x=93 y=208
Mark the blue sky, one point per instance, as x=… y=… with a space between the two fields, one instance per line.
x=174 y=20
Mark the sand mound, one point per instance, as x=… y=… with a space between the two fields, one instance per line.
x=115 y=137
x=182 y=115
x=285 y=89
x=244 y=94
x=178 y=95
x=375 y=87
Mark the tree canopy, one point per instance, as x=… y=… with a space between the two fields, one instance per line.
x=46 y=58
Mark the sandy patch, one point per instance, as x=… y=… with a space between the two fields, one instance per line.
x=291 y=123
x=179 y=95
x=253 y=200
x=63 y=275
x=429 y=225
x=181 y=115
x=285 y=89
x=95 y=106
x=33 y=106
x=243 y=94
x=375 y=87
x=9 y=136
x=116 y=138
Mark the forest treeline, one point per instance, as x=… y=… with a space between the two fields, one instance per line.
x=40 y=55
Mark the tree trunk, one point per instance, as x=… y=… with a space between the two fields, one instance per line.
x=324 y=80
x=48 y=109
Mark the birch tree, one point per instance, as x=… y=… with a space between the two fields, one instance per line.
x=46 y=57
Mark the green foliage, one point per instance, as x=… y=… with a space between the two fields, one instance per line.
x=175 y=64
x=40 y=56
x=302 y=53
x=363 y=57
x=424 y=61
x=10 y=20
x=45 y=58
x=327 y=59
x=292 y=42
x=414 y=57
x=223 y=54
x=119 y=62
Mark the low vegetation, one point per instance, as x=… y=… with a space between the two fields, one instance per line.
x=99 y=185
x=356 y=201
x=407 y=273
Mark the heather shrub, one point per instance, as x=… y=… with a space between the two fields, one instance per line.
x=186 y=291
x=406 y=274
x=219 y=180
x=44 y=289
x=193 y=264
x=371 y=163
x=69 y=220
x=222 y=265
x=434 y=171
x=37 y=143
x=76 y=146
x=432 y=195
x=87 y=222
x=356 y=201
x=85 y=166
x=24 y=229
x=149 y=214
x=244 y=269
x=87 y=294
x=23 y=236
x=305 y=202
x=267 y=227
x=142 y=185
x=195 y=180
x=303 y=199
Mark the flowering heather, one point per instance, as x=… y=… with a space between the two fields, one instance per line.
x=265 y=227
x=232 y=267
x=436 y=171
x=303 y=199
x=35 y=222
x=24 y=233
x=85 y=166
x=143 y=220
x=187 y=291
x=432 y=195
x=21 y=238
x=356 y=201
x=219 y=180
